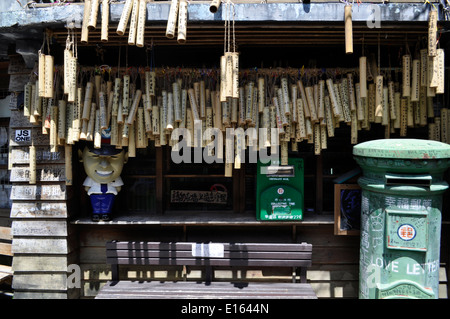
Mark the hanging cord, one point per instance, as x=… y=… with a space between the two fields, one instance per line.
x=118 y=64
x=379 y=56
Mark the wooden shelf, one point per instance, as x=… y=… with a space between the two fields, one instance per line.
x=187 y=218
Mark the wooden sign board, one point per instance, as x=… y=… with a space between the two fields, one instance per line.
x=20 y=155
x=38 y=192
x=39 y=210
x=39 y=228
x=18 y=137
x=46 y=173
x=204 y=197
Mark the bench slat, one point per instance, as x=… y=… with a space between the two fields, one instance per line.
x=210 y=262
x=227 y=255
x=191 y=290
x=227 y=246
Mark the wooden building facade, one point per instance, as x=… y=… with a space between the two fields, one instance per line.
x=59 y=252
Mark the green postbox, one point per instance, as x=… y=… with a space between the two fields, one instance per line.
x=402 y=187
x=279 y=191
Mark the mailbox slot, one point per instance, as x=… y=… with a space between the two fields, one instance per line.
x=278 y=171
x=408 y=180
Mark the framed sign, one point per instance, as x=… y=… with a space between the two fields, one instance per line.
x=347 y=209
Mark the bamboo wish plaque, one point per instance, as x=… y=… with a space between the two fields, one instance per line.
x=92 y=22
x=133 y=23
x=363 y=76
x=348 y=29
x=124 y=17
x=432 y=29
x=141 y=23
x=172 y=20
x=182 y=22
x=105 y=20
x=406 y=74
x=84 y=27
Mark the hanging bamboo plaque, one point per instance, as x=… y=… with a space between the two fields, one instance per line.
x=348 y=29
x=84 y=27
x=67 y=57
x=105 y=21
x=363 y=76
x=432 y=29
x=170 y=117
x=61 y=119
x=294 y=112
x=415 y=83
x=440 y=64
x=379 y=99
x=391 y=92
x=333 y=98
x=97 y=130
x=141 y=23
x=406 y=74
x=126 y=94
x=87 y=101
x=423 y=67
x=133 y=23
x=49 y=63
x=172 y=20
x=92 y=22
x=126 y=12
x=54 y=129
x=134 y=107
x=182 y=22
x=102 y=111
x=235 y=75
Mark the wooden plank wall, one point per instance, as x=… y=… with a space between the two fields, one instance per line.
x=41 y=244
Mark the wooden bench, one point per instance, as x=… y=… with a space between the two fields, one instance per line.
x=5 y=247
x=239 y=255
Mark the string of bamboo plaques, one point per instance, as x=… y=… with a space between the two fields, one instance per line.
x=139 y=105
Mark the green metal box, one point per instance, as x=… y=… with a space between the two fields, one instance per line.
x=280 y=191
x=402 y=191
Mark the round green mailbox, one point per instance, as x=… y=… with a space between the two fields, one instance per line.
x=402 y=189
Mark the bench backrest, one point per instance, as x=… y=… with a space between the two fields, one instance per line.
x=295 y=255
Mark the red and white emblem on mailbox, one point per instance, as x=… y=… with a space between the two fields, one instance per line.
x=406 y=232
